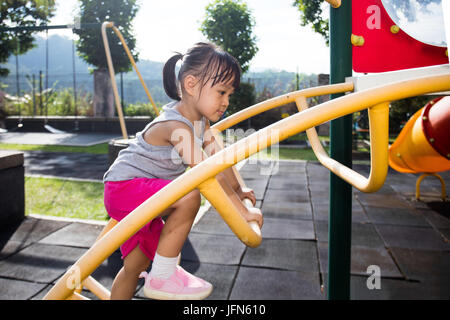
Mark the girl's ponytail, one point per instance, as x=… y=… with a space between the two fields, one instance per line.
x=170 y=78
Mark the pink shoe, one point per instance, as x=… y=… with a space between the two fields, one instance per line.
x=180 y=286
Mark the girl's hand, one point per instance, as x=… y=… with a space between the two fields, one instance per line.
x=248 y=193
x=254 y=214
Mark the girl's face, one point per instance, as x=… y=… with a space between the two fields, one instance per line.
x=212 y=102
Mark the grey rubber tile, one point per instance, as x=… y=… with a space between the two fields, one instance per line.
x=287 y=210
x=40 y=263
x=362 y=258
x=412 y=238
x=212 y=223
x=210 y=248
x=295 y=255
x=74 y=235
x=288 y=229
x=31 y=230
x=363 y=234
x=321 y=212
x=383 y=201
x=292 y=196
x=19 y=290
x=396 y=216
x=279 y=183
x=396 y=289
x=269 y=284
x=423 y=264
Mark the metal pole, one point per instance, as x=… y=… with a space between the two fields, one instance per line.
x=74 y=74
x=34 y=95
x=40 y=93
x=121 y=92
x=46 y=76
x=340 y=211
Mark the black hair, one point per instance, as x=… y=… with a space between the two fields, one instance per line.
x=204 y=60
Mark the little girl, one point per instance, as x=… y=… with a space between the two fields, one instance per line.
x=176 y=139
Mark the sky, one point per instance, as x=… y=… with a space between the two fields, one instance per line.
x=162 y=27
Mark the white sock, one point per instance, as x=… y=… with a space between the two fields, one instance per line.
x=163 y=267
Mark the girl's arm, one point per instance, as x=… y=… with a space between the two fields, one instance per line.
x=192 y=154
x=211 y=147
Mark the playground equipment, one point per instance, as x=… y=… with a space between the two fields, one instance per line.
x=375 y=99
x=423 y=145
x=202 y=175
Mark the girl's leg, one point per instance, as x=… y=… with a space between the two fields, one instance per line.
x=125 y=283
x=178 y=225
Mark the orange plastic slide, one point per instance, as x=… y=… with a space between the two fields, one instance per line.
x=423 y=145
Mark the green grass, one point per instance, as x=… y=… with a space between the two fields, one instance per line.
x=96 y=149
x=64 y=198
x=287 y=154
x=84 y=200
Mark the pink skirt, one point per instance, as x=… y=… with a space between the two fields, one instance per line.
x=122 y=197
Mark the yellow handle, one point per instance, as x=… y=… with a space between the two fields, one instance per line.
x=248 y=233
x=379 y=140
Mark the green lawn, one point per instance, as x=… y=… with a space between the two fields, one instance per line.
x=96 y=149
x=64 y=198
x=84 y=200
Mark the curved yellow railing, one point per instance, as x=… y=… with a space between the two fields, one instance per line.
x=379 y=142
x=105 y=25
x=423 y=176
x=280 y=101
x=228 y=157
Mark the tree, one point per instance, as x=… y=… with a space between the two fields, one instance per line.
x=228 y=23
x=21 y=13
x=92 y=50
x=311 y=14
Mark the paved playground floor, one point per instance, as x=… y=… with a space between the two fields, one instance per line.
x=406 y=239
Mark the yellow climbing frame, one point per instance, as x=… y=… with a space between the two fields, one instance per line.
x=203 y=175
x=106 y=25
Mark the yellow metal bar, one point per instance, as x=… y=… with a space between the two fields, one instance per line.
x=112 y=76
x=249 y=233
x=219 y=142
x=96 y=288
x=334 y=3
x=77 y=296
x=423 y=176
x=379 y=140
x=111 y=223
x=233 y=154
x=280 y=101
x=130 y=56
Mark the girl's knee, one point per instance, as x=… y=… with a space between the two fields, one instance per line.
x=136 y=262
x=192 y=200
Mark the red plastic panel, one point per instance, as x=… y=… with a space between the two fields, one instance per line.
x=436 y=125
x=383 y=50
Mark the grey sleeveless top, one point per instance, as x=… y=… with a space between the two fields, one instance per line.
x=143 y=160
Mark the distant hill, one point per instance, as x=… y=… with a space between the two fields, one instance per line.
x=60 y=70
